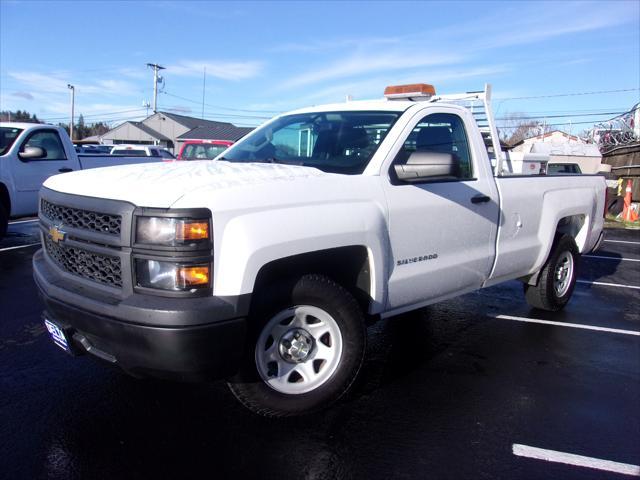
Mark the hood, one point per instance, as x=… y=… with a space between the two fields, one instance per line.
x=162 y=184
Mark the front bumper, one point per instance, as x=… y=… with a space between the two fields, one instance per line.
x=191 y=339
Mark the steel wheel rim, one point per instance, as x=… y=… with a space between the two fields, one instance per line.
x=303 y=371
x=563 y=274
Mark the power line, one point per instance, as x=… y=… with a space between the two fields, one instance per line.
x=553 y=124
x=527 y=117
x=220 y=107
x=95 y=114
x=570 y=94
x=213 y=115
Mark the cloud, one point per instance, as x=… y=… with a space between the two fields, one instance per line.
x=219 y=69
x=57 y=83
x=179 y=109
x=324 y=45
x=360 y=65
x=25 y=95
x=373 y=87
x=40 y=82
x=533 y=24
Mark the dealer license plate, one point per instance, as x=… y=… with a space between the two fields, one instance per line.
x=57 y=335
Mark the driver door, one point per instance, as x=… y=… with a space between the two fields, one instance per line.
x=442 y=230
x=29 y=175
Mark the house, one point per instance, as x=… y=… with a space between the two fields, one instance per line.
x=554 y=137
x=170 y=130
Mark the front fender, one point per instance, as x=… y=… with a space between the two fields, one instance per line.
x=250 y=241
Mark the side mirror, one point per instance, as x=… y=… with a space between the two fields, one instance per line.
x=427 y=166
x=32 y=153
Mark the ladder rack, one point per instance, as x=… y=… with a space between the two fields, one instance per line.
x=479 y=103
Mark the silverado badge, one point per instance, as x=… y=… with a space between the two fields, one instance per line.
x=56 y=234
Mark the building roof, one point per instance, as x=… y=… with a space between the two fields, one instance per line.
x=191 y=122
x=150 y=131
x=140 y=126
x=221 y=131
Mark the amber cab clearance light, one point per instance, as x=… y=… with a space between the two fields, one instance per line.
x=409 y=91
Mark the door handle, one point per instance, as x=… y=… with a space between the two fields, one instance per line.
x=65 y=170
x=480 y=199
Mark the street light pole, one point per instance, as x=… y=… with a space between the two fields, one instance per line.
x=73 y=99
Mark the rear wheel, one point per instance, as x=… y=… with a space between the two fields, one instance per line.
x=557 y=278
x=306 y=348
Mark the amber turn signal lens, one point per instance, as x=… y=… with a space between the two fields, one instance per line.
x=189 y=231
x=193 y=276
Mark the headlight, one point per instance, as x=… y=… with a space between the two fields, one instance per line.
x=171 y=231
x=171 y=276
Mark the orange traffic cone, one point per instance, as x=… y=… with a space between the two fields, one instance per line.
x=628 y=213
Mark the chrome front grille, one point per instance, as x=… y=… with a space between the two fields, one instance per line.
x=82 y=219
x=93 y=266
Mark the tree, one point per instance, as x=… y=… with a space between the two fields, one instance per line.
x=516 y=127
x=65 y=126
x=80 y=128
x=18 y=116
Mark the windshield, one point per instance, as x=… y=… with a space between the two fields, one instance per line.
x=202 y=151
x=8 y=135
x=335 y=142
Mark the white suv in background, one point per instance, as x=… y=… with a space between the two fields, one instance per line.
x=142 y=151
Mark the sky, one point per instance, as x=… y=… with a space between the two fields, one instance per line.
x=568 y=63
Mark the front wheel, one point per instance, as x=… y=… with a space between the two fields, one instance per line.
x=4 y=221
x=306 y=348
x=557 y=278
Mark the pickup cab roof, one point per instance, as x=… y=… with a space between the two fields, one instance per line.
x=23 y=125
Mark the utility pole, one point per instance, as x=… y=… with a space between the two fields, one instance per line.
x=73 y=99
x=156 y=69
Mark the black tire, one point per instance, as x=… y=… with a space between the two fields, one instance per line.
x=4 y=221
x=553 y=293
x=316 y=291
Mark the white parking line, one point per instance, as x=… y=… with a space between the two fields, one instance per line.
x=23 y=221
x=566 y=324
x=19 y=246
x=587 y=282
x=622 y=241
x=573 y=459
x=613 y=258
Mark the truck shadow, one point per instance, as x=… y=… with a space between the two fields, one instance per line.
x=593 y=267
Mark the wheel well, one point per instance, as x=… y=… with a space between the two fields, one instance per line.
x=5 y=201
x=573 y=226
x=348 y=266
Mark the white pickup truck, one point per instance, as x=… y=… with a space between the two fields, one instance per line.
x=32 y=152
x=263 y=267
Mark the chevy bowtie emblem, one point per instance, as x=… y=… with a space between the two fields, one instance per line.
x=57 y=235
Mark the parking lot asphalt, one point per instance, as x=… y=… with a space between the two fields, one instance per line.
x=468 y=388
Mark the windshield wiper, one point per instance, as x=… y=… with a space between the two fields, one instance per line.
x=279 y=161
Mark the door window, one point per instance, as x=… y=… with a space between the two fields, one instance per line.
x=49 y=141
x=440 y=133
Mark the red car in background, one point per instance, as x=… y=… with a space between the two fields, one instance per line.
x=202 y=149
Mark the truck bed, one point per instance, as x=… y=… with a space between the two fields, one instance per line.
x=525 y=234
